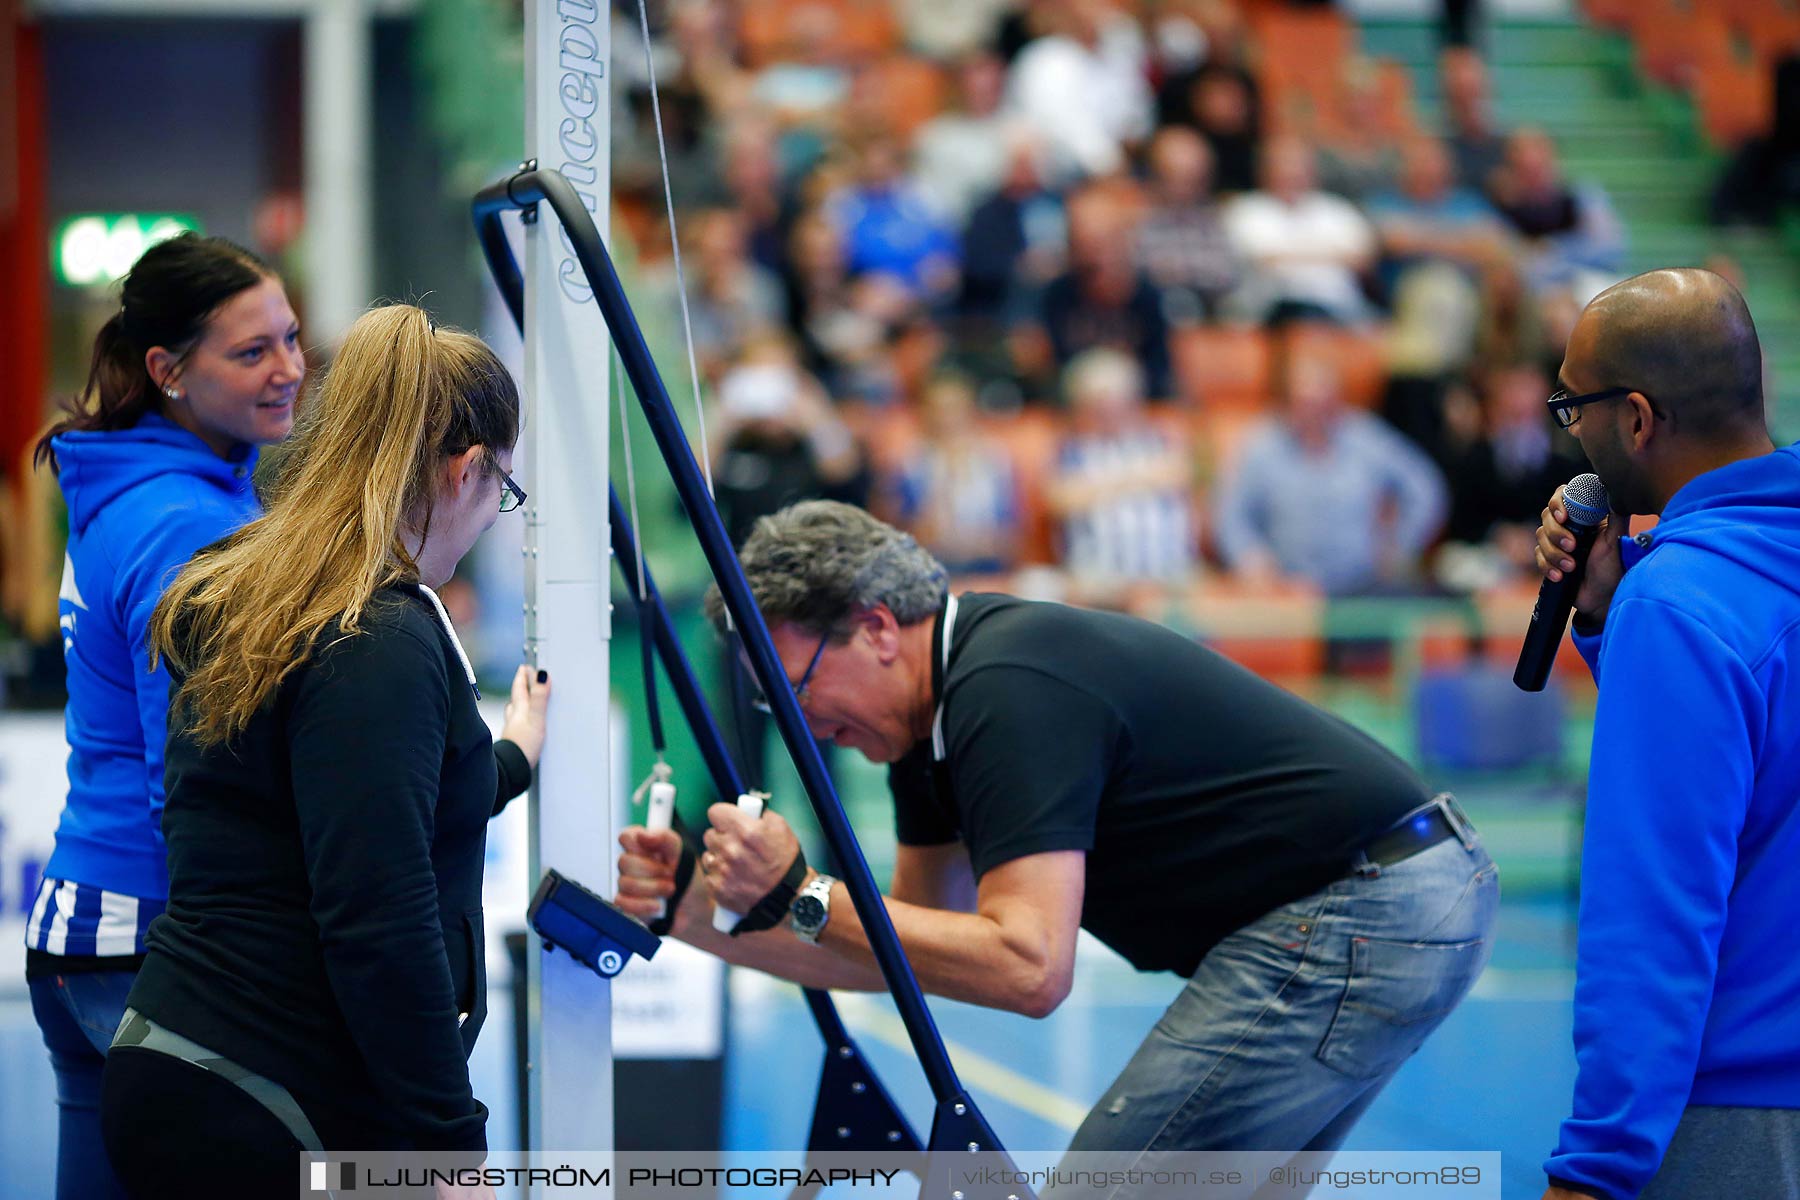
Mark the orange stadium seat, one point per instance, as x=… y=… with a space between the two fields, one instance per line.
x=1736 y=102
x=860 y=30
x=906 y=92
x=1397 y=110
x=1301 y=65
x=1222 y=367
x=1299 y=44
x=1361 y=358
x=1614 y=14
x=1273 y=632
x=1772 y=31
x=870 y=29
x=1679 y=47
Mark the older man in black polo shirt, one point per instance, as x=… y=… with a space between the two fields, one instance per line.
x=1054 y=769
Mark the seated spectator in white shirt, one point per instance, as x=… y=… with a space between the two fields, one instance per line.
x=1306 y=250
x=1123 y=489
x=1181 y=242
x=1084 y=88
x=955 y=162
x=1327 y=494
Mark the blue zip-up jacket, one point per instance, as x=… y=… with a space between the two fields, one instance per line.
x=1688 y=984
x=141 y=502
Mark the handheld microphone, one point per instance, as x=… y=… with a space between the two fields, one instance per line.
x=1584 y=502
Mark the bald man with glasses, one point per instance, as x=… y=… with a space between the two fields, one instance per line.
x=1687 y=987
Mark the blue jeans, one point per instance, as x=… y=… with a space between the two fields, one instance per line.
x=78 y=1015
x=1291 y=1026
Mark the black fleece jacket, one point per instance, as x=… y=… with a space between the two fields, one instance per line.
x=324 y=921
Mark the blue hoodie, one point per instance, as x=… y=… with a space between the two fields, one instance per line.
x=1688 y=984
x=141 y=501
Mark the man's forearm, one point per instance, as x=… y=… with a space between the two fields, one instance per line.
x=775 y=951
x=972 y=957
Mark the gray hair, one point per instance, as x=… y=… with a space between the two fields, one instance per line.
x=819 y=563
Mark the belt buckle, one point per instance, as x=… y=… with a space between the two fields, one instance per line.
x=1458 y=820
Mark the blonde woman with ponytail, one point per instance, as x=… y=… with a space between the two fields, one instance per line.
x=317 y=978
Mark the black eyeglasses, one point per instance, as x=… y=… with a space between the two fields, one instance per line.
x=760 y=702
x=511 y=494
x=1567 y=408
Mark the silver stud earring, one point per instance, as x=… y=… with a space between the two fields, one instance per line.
x=171 y=393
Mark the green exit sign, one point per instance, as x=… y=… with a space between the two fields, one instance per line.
x=95 y=249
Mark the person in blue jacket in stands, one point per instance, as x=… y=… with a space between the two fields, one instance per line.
x=200 y=367
x=1687 y=990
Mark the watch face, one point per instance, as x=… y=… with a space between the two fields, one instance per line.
x=808 y=912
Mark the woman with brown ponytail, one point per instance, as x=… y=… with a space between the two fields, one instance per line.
x=317 y=979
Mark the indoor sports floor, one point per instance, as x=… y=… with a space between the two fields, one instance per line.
x=1496 y=1076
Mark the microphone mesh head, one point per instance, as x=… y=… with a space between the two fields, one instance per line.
x=1585 y=500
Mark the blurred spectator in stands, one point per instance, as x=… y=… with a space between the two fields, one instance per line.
x=1575 y=240
x=1102 y=300
x=1359 y=157
x=1327 y=494
x=1477 y=144
x=947 y=30
x=957 y=491
x=1016 y=238
x=1023 y=24
x=1123 y=489
x=705 y=81
x=805 y=89
x=1306 y=250
x=1512 y=328
x=1457 y=25
x=1181 y=242
x=32 y=533
x=1764 y=173
x=843 y=324
x=1083 y=88
x=889 y=228
x=1222 y=105
x=1430 y=218
x=1216 y=92
x=955 y=164
x=730 y=298
x=775 y=440
x=1505 y=457
x=1430 y=343
x=753 y=179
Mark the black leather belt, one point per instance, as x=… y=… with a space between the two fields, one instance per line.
x=1418 y=830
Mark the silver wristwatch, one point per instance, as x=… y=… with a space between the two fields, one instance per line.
x=811 y=909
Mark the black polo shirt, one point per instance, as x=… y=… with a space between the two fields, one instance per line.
x=1203 y=795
